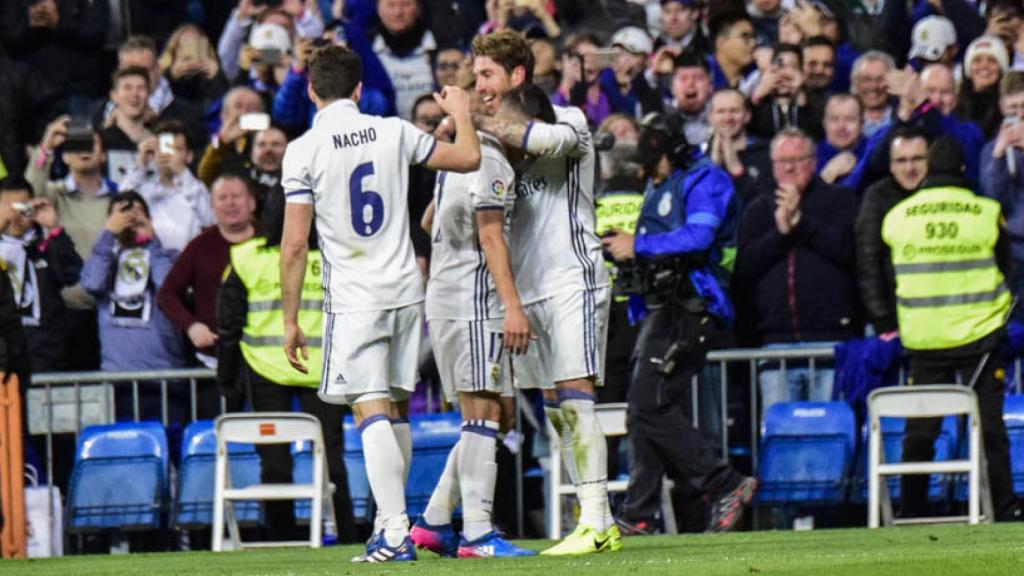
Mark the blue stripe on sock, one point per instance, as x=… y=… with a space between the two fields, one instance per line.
x=552 y=404
x=399 y=420
x=370 y=420
x=480 y=430
x=572 y=394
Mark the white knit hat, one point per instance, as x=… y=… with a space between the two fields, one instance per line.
x=991 y=45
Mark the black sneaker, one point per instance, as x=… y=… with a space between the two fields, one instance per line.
x=637 y=527
x=727 y=510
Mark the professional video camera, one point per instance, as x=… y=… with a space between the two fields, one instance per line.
x=657 y=277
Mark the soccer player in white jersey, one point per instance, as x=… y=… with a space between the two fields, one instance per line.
x=474 y=314
x=560 y=274
x=352 y=169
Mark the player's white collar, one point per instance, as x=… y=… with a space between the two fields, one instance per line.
x=340 y=106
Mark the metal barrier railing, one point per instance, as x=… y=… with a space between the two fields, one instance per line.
x=812 y=357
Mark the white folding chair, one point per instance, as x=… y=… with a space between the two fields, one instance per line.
x=269 y=428
x=612 y=419
x=923 y=402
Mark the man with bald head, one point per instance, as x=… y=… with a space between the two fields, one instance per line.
x=928 y=101
x=794 y=239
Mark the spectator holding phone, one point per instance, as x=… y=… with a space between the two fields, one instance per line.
x=780 y=101
x=125 y=270
x=190 y=64
x=229 y=148
x=581 y=70
x=81 y=198
x=40 y=260
x=179 y=202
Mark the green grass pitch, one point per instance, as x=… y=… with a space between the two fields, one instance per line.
x=923 y=550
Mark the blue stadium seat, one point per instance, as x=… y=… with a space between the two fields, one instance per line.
x=302 y=473
x=1013 y=415
x=806 y=452
x=892 y=443
x=119 y=479
x=355 y=467
x=433 y=436
x=196 y=477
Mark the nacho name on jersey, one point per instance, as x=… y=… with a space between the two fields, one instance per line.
x=353 y=139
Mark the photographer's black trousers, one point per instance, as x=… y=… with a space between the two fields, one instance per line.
x=661 y=434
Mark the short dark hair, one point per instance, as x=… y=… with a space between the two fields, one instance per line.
x=690 y=58
x=782 y=48
x=723 y=16
x=16 y=183
x=130 y=71
x=995 y=6
x=334 y=72
x=530 y=101
x=819 y=41
x=909 y=133
x=945 y=156
x=130 y=196
x=508 y=49
x=173 y=127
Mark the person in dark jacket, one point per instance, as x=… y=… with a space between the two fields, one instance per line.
x=796 y=249
x=780 y=99
x=744 y=157
x=236 y=379
x=40 y=260
x=61 y=41
x=908 y=165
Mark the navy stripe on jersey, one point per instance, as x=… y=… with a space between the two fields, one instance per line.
x=298 y=193
x=488 y=207
x=433 y=146
x=576 y=229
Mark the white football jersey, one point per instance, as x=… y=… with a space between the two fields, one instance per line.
x=354 y=169
x=554 y=246
x=461 y=286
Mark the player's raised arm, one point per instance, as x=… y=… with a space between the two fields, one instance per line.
x=568 y=137
x=463 y=155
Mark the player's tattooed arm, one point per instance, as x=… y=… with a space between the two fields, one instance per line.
x=510 y=130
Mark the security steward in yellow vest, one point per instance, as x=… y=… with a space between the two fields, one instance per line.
x=251 y=362
x=952 y=303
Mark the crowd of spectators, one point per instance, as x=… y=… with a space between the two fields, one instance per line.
x=151 y=135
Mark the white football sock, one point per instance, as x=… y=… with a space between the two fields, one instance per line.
x=591 y=457
x=553 y=411
x=403 y=434
x=445 y=496
x=384 y=471
x=478 y=473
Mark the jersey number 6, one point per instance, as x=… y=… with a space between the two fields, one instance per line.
x=367 y=206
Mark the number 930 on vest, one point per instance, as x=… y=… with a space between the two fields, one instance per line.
x=949 y=289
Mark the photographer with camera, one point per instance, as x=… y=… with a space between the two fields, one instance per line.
x=40 y=260
x=677 y=262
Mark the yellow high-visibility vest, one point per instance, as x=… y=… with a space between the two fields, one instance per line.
x=262 y=345
x=949 y=290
